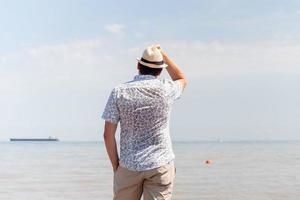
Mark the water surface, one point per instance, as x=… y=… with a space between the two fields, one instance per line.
x=81 y=170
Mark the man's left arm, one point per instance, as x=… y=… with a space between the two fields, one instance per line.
x=111 y=144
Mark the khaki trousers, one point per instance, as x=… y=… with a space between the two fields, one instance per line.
x=154 y=184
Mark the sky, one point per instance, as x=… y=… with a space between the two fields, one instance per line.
x=59 y=60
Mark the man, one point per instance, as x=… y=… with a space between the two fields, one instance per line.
x=142 y=106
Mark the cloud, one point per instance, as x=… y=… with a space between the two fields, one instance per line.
x=115 y=28
x=215 y=58
x=81 y=63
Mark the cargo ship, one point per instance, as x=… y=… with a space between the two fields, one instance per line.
x=49 y=139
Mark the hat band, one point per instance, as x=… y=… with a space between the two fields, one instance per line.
x=153 y=62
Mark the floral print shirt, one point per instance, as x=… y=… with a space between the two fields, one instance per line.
x=143 y=106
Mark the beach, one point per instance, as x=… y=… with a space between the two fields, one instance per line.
x=81 y=170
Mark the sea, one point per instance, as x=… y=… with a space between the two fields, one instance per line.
x=244 y=170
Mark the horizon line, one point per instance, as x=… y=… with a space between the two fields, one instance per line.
x=191 y=141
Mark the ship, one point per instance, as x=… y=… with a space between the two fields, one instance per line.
x=49 y=139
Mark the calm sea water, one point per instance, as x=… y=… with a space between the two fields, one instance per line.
x=81 y=171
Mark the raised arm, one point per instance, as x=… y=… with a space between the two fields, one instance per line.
x=175 y=73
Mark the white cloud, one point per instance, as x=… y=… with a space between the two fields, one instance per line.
x=83 y=62
x=115 y=28
x=80 y=64
x=213 y=58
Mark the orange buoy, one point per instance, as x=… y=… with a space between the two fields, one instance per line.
x=208 y=162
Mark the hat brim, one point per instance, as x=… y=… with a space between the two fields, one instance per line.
x=151 y=65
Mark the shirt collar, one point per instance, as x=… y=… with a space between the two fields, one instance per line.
x=144 y=77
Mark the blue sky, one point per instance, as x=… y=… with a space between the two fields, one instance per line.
x=60 y=59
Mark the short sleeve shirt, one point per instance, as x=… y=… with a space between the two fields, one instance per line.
x=143 y=107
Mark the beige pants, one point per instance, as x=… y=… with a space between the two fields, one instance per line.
x=154 y=184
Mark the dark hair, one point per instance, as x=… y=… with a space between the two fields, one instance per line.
x=144 y=70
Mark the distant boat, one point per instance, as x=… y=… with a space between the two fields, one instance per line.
x=49 y=139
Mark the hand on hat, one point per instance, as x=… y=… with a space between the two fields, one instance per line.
x=159 y=48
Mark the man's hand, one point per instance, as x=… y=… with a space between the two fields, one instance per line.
x=173 y=70
x=115 y=168
x=159 y=48
x=110 y=144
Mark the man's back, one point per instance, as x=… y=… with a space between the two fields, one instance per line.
x=143 y=108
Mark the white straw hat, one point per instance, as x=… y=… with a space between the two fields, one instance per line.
x=152 y=58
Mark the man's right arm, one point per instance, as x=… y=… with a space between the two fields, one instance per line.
x=175 y=73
